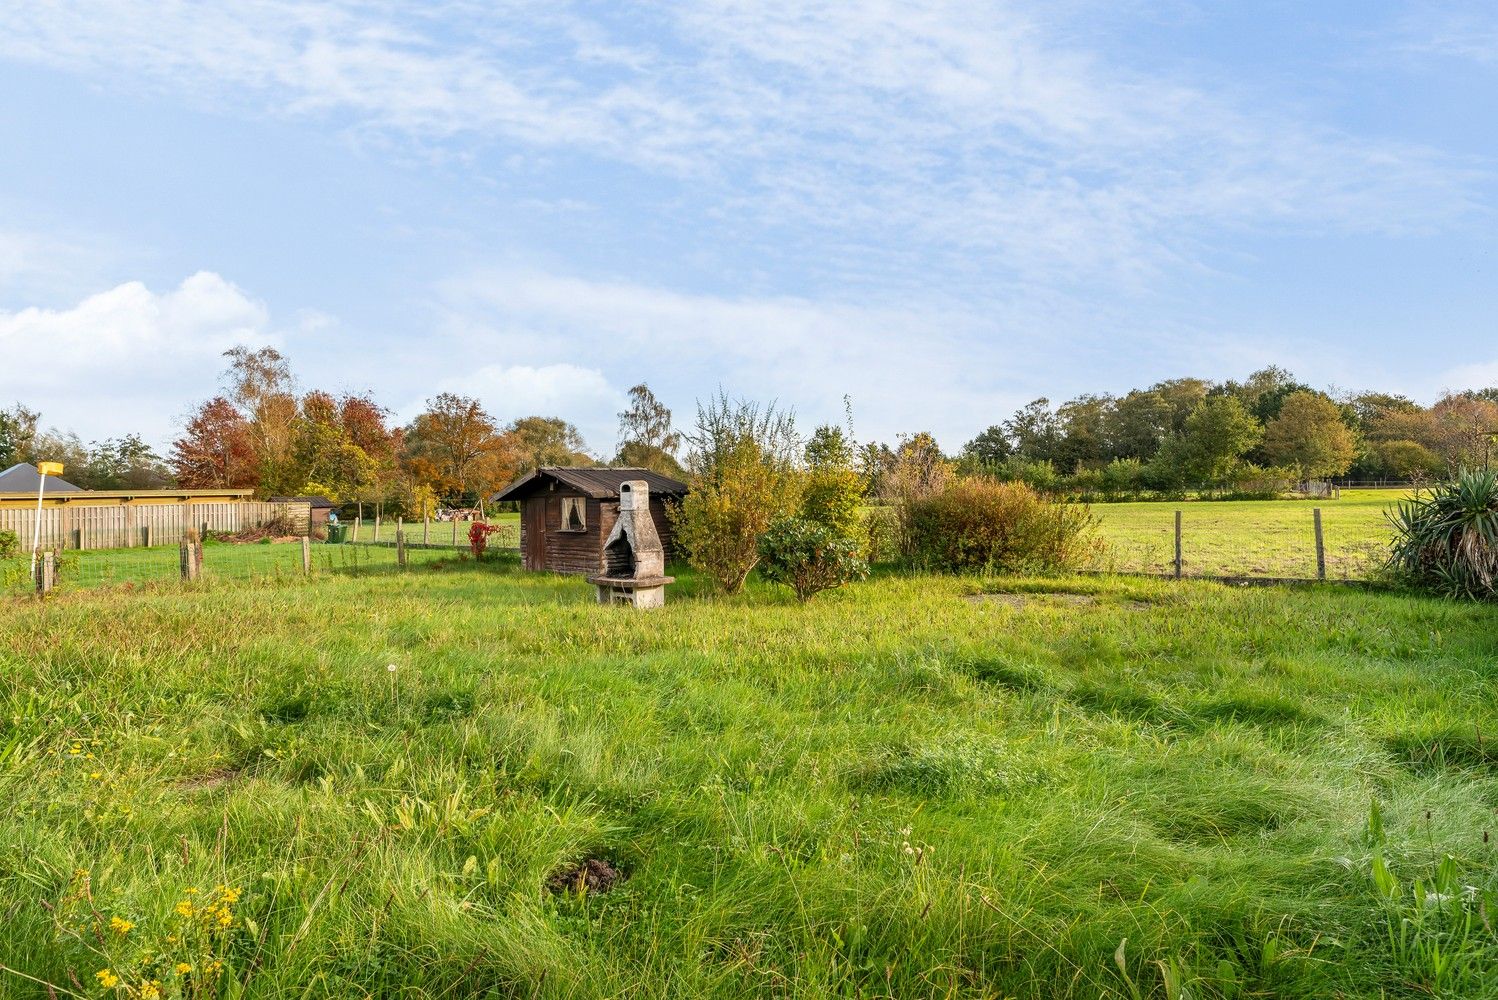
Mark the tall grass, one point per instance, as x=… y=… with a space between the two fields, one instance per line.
x=905 y=789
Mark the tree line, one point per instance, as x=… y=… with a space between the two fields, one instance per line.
x=262 y=432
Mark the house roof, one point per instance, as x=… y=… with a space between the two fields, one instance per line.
x=24 y=478
x=316 y=502
x=600 y=484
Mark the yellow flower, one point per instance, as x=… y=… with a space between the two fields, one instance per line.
x=150 y=990
x=228 y=895
x=225 y=918
x=183 y=968
x=107 y=979
x=184 y=908
x=191 y=891
x=95 y=775
x=119 y=925
x=215 y=967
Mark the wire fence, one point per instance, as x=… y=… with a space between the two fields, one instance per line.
x=69 y=570
x=504 y=532
x=1263 y=541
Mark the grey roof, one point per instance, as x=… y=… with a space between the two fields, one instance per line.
x=600 y=484
x=24 y=478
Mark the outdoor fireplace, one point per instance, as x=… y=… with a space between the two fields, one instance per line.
x=634 y=561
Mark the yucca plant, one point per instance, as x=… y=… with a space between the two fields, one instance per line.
x=1448 y=541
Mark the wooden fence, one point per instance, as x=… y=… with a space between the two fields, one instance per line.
x=120 y=526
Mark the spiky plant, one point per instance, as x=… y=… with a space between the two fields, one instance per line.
x=1448 y=540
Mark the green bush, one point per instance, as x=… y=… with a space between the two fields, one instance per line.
x=1447 y=542
x=979 y=524
x=808 y=557
x=10 y=545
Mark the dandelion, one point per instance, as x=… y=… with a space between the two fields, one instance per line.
x=150 y=990
x=185 y=908
x=183 y=968
x=107 y=979
x=95 y=775
x=120 y=925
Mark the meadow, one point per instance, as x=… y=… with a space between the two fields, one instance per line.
x=1251 y=538
x=466 y=780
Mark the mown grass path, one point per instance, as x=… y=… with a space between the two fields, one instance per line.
x=904 y=789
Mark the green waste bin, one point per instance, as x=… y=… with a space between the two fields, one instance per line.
x=337 y=534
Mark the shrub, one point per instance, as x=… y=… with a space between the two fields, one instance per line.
x=834 y=488
x=978 y=524
x=478 y=537
x=10 y=545
x=742 y=476
x=1447 y=542
x=809 y=557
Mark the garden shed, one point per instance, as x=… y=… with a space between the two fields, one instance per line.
x=566 y=513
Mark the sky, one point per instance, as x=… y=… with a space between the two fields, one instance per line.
x=940 y=210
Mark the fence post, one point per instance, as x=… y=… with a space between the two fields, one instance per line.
x=1320 y=546
x=306 y=556
x=455 y=532
x=46 y=573
x=400 y=546
x=426 y=527
x=1178 y=545
x=377 y=529
x=189 y=559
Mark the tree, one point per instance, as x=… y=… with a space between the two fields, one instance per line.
x=125 y=463
x=1138 y=423
x=452 y=437
x=537 y=442
x=986 y=450
x=1083 y=426
x=1463 y=425
x=1407 y=460
x=1034 y=431
x=1218 y=433
x=834 y=488
x=742 y=476
x=1309 y=434
x=216 y=449
x=646 y=438
x=260 y=384
x=17 y=434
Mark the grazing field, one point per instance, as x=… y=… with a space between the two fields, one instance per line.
x=441 y=532
x=1263 y=538
x=470 y=781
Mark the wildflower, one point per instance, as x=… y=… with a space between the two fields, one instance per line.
x=215 y=967
x=191 y=891
x=107 y=979
x=227 y=894
x=150 y=989
x=95 y=775
x=120 y=925
x=185 y=908
x=390 y=667
x=183 y=968
x=225 y=919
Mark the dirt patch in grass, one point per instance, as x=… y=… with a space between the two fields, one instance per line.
x=590 y=876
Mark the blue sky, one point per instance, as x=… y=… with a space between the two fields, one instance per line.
x=943 y=209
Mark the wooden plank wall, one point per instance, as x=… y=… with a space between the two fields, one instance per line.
x=75 y=526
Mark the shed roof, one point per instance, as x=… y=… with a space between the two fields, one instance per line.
x=24 y=478
x=600 y=484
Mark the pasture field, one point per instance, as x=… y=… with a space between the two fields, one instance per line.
x=1259 y=538
x=441 y=532
x=384 y=785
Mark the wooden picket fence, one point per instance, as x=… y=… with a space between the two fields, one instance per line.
x=121 y=526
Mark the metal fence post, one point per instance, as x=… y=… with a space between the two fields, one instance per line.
x=1178 y=545
x=1320 y=547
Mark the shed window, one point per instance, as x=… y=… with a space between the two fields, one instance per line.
x=574 y=514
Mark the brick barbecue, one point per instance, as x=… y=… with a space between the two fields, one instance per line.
x=634 y=560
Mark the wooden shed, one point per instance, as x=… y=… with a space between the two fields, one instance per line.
x=566 y=513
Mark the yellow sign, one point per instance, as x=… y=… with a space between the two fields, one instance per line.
x=49 y=468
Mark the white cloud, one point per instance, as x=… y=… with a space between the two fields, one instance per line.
x=982 y=138
x=581 y=395
x=127 y=359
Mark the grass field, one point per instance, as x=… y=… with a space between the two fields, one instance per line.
x=906 y=789
x=1264 y=538
x=441 y=533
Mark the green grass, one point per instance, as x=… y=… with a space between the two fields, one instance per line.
x=903 y=789
x=1263 y=538
x=441 y=533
